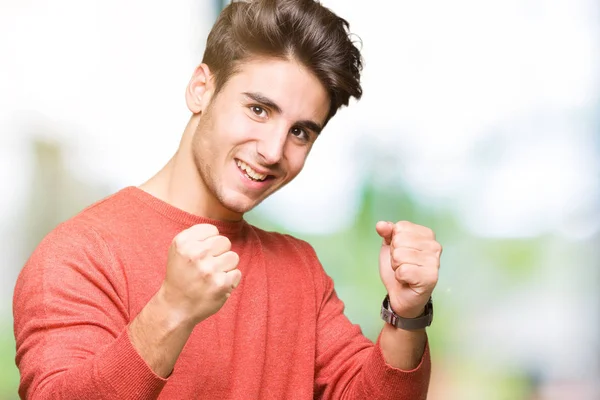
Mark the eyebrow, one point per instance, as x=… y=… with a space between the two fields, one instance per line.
x=265 y=101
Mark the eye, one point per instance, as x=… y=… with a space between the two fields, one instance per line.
x=300 y=133
x=258 y=111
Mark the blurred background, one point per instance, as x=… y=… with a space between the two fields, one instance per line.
x=479 y=119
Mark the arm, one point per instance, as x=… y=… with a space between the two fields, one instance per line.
x=409 y=262
x=71 y=315
x=402 y=349
x=70 y=321
x=350 y=366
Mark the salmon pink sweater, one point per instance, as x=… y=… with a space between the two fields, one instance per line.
x=281 y=335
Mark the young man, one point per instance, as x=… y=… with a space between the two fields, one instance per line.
x=164 y=291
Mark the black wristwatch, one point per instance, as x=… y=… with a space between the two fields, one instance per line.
x=410 y=324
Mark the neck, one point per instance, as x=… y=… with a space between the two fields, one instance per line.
x=179 y=183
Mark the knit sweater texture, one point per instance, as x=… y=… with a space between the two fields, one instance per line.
x=281 y=335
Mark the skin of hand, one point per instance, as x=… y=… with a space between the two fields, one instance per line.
x=409 y=262
x=201 y=273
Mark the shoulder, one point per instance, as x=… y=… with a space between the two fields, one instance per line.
x=91 y=225
x=75 y=244
x=117 y=207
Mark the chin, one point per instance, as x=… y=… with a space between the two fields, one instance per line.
x=239 y=204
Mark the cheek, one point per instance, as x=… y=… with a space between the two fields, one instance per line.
x=240 y=129
x=296 y=158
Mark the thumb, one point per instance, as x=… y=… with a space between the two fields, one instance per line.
x=385 y=230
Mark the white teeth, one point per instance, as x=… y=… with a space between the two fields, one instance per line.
x=250 y=172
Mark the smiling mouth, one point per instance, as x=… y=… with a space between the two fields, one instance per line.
x=250 y=173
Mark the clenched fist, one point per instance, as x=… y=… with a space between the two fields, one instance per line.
x=409 y=262
x=201 y=272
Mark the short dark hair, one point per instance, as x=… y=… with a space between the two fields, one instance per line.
x=303 y=30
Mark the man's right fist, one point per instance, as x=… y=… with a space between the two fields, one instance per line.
x=201 y=273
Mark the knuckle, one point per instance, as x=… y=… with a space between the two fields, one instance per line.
x=199 y=253
x=178 y=242
x=429 y=232
x=220 y=281
x=231 y=259
x=187 y=254
x=210 y=230
x=204 y=231
x=203 y=273
x=434 y=278
x=224 y=242
x=434 y=261
x=192 y=250
x=205 y=270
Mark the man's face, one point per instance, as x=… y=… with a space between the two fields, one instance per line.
x=255 y=135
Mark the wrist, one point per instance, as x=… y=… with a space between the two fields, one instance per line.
x=407 y=312
x=416 y=319
x=175 y=316
x=158 y=334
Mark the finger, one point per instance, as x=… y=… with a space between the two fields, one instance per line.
x=420 y=279
x=410 y=240
x=201 y=231
x=194 y=250
x=385 y=230
x=404 y=255
x=226 y=262
x=196 y=232
x=420 y=230
x=407 y=273
x=217 y=245
x=234 y=277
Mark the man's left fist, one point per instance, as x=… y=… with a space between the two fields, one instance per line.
x=409 y=262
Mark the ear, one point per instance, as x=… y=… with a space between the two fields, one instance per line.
x=200 y=89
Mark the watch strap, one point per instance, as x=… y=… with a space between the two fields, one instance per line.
x=411 y=324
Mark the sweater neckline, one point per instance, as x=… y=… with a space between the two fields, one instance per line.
x=180 y=216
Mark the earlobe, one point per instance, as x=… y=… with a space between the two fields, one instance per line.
x=197 y=93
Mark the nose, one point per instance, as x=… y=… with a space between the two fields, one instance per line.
x=270 y=146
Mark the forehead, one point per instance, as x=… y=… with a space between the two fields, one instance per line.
x=288 y=83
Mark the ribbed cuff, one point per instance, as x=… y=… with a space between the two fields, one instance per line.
x=126 y=372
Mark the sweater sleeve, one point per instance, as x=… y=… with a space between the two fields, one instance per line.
x=349 y=366
x=70 y=321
